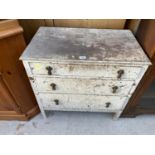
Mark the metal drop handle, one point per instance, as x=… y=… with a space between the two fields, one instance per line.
x=120 y=73
x=114 y=89
x=107 y=105
x=56 y=101
x=53 y=85
x=49 y=69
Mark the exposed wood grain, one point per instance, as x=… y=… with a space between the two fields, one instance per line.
x=142 y=87
x=91 y=23
x=14 y=85
x=49 y=22
x=12 y=115
x=9 y=28
x=132 y=24
x=145 y=36
x=7 y=24
x=144 y=110
x=5 y=99
x=13 y=72
x=107 y=23
x=30 y=27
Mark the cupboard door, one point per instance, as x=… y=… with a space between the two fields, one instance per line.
x=7 y=103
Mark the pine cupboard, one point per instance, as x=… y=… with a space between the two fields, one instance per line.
x=16 y=98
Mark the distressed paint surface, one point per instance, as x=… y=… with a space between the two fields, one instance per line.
x=85 y=44
x=83 y=86
x=85 y=70
x=85 y=65
x=83 y=103
x=33 y=85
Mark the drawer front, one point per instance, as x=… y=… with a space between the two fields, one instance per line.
x=106 y=71
x=83 y=86
x=81 y=102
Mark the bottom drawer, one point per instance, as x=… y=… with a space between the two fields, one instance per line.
x=81 y=102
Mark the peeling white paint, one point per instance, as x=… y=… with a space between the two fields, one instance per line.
x=85 y=64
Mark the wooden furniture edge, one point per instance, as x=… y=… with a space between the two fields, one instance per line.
x=12 y=115
x=132 y=106
x=32 y=112
x=144 y=34
x=9 y=28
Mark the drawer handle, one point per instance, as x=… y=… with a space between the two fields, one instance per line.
x=114 y=89
x=49 y=69
x=120 y=73
x=53 y=85
x=107 y=105
x=56 y=102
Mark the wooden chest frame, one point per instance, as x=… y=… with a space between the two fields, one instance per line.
x=145 y=35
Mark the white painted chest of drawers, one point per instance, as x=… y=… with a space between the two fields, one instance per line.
x=75 y=69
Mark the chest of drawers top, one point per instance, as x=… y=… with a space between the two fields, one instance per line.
x=85 y=45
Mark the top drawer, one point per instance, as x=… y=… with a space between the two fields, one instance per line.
x=105 y=71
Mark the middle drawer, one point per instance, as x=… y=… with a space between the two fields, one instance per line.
x=83 y=86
